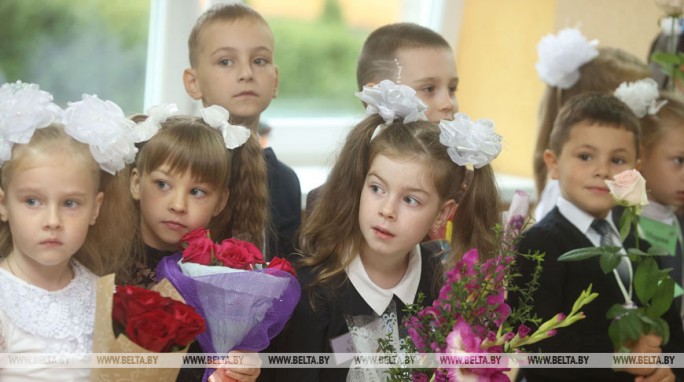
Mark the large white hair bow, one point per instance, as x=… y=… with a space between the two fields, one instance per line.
x=102 y=126
x=470 y=142
x=393 y=101
x=23 y=109
x=561 y=56
x=641 y=96
x=217 y=117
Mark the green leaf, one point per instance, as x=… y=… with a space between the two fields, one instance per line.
x=630 y=326
x=625 y=224
x=645 y=280
x=662 y=329
x=615 y=310
x=609 y=261
x=615 y=334
x=662 y=298
x=580 y=254
x=658 y=251
x=665 y=58
x=636 y=252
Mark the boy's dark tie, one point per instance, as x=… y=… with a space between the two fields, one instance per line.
x=602 y=227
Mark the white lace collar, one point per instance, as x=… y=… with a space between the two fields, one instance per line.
x=379 y=298
x=64 y=319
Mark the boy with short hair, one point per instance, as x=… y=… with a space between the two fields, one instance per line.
x=595 y=137
x=412 y=55
x=415 y=56
x=231 y=64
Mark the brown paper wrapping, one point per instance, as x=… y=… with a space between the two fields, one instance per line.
x=105 y=342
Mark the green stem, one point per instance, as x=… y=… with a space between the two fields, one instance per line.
x=673 y=48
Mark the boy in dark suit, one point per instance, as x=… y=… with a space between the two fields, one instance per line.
x=595 y=136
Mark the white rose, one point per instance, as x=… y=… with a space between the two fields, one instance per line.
x=628 y=189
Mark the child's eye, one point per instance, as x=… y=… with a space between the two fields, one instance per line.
x=162 y=184
x=260 y=61
x=71 y=204
x=428 y=89
x=198 y=192
x=225 y=62
x=375 y=189
x=619 y=161
x=452 y=90
x=584 y=157
x=31 y=202
x=678 y=160
x=411 y=201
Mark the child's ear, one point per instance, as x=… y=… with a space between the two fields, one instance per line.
x=3 y=208
x=275 y=87
x=135 y=184
x=98 y=203
x=191 y=84
x=222 y=203
x=551 y=164
x=445 y=213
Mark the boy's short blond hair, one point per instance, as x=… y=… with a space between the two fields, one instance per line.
x=593 y=108
x=376 y=61
x=219 y=12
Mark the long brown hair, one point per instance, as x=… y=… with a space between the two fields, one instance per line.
x=602 y=74
x=331 y=236
x=107 y=247
x=187 y=143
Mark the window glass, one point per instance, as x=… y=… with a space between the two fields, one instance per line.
x=71 y=47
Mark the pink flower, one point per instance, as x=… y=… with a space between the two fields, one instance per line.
x=502 y=308
x=628 y=189
x=523 y=331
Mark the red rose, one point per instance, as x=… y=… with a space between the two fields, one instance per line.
x=199 y=233
x=281 y=264
x=191 y=323
x=238 y=254
x=154 y=330
x=130 y=301
x=199 y=250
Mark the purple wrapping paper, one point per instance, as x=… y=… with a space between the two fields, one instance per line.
x=243 y=310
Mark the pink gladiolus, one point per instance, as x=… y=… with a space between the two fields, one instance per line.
x=523 y=331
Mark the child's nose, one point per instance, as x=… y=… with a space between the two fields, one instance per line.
x=53 y=220
x=245 y=72
x=178 y=202
x=388 y=210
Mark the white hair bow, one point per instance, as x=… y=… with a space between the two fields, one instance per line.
x=561 y=56
x=103 y=126
x=23 y=109
x=233 y=135
x=641 y=96
x=470 y=142
x=156 y=115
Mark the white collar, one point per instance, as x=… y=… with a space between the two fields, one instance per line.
x=659 y=212
x=379 y=298
x=582 y=220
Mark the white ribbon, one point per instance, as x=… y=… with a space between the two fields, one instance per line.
x=233 y=135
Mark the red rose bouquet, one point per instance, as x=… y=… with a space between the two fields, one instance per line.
x=245 y=301
x=137 y=320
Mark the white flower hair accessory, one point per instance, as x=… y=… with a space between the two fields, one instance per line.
x=102 y=126
x=156 y=115
x=23 y=109
x=393 y=101
x=233 y=135
x=470 y=142
x=561 y=56
x=641 y=96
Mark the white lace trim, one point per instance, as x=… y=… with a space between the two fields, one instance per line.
x=64 y=319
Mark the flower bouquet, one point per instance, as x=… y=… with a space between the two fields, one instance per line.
x=654 y=288
x=470 y=315
x=244 y=303
x=137 y=320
